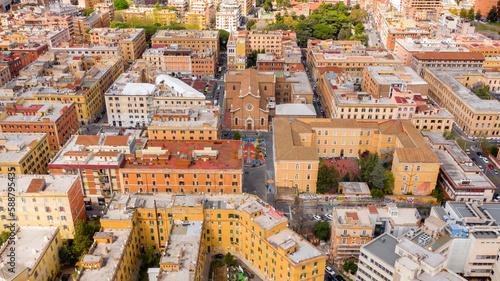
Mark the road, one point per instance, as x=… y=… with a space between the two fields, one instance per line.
x=317 y=100
x=473 y=154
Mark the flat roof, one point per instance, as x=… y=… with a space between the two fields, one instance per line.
x=305 y=250
x=447 y=77
x=405 y=216
x=387 y=75
x=17 y=146
x=46 y=111
x=384 y=248
x=355 y=187
x=52 y=183
x=182 y=247
x=362 y=216
x=190 y=117
x=111 y=254
x=30 y=245
x=431 y=258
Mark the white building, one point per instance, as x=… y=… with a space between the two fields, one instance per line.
x=229 y=15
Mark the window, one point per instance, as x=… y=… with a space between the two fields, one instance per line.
x=297 y=166
x=418 y=168
x=416 y=178
x=404 y=178
x=406 y=168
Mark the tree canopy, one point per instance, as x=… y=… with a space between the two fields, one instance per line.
x=322 y=230
x=120 y=4
x=328 y=179
x=88 y=12
x=84 y=233
x=379 y=180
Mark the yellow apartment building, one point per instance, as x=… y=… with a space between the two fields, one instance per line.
x=240 y=224
x=415 y=167
x=131 y=40
x=451 y=90
x=164 y=17
x=351 y=228
x=44 y=200
x=198 y=18
x=36 y=254
x=24 y=153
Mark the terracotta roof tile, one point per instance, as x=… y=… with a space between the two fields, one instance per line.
x=116 y=140
x=450 y=56
x=87 y=140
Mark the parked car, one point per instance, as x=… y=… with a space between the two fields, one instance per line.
x=479 y=154
x=468 y=151
x=316 y=217
x=495 y=172
x=485 y=160
x=309 y=217
x=89 y=208
x=329 y=270
x=491 y=166
x=219 y=256
x=474 y=160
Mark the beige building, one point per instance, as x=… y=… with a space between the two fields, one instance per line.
x=459 y=178
x=35 y=250
x=300 y=142
x=199 y=41
x=351 y=228
x=387 y=258
x=380 y=81
x=450 y=89
x=44 y=201
x=131 y=40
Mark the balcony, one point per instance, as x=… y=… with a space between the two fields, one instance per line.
x=345 y=235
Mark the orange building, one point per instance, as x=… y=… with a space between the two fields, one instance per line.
x=58 y=120
x=96 y=160
x=351 y=229
x=195 y=166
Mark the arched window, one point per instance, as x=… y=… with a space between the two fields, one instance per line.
x=262 y=121
x=236 y=121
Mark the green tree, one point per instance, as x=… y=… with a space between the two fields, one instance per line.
x=83 y=238
x=470 y=14
x=120 y=4
x=358 y=16
x=223 y=37
x=328 y=178
x=323 y=31
x=150 y=258
x=88 y=12
x=66 y=256
x=278 y=18
x=346 y=177
x=344 y=34
x=268 y=6
x=492 y=14
x=453 y=11
x=229 y=259
x=483 y=92
x=438 y=194
x=478 y=14
x=302 y=17
x=4 y=236
x=359 y=29
x=322 y=230
x=449 y=135
x=463 y=13
x=350 y=266
x=250 y=23
x=237 y=135
x=493 y=150
x=389 y=182
x=377 y=177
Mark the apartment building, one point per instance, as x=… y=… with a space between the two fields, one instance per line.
x=88 y=50
x=184 y=167
x=73 y=79
x=240 y=224
x=89 y=4
x=46 y=201
x=341 y=100
x=197 y=40
x=82 y=24
x=405 y=48
x=268 y=62
x=181 y=7
x=190 y=123
x=450 y=60
x=4 y=75
x=182 y=61
x=388 y=258
x=33 y=50
x=459 y=178
x=96 y=160
x=163 y=17
x=36 y=254
x=246 y=6
x=380 y=81
x=450 y=89
x=302 y=141
x=134 y=97
x=59 y=121
x=351 y=228
x=45 y=35
x=24 y=153
x=14 y=62
x=197 y=18
x=352 y=64
x=236 y=51
x=229 y=16
x=131 y=40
